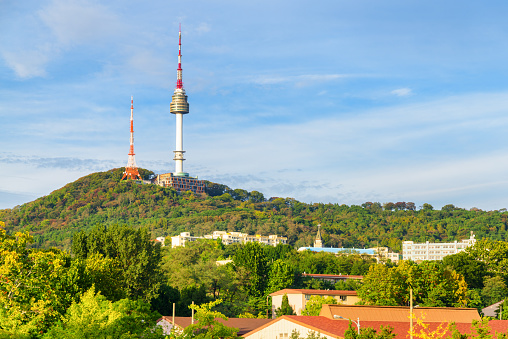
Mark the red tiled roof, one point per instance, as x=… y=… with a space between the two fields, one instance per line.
x=337 y=328
x=313 y=292
x=244 y=325
x=333 y=276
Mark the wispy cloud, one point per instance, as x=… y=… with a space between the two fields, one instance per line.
x=402 y=92
x=298 y=80
x=28 y=63
x=80 y=21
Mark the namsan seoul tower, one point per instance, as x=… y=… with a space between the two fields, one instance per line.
x=131 y=170
x=180 y=180
x=179 y=106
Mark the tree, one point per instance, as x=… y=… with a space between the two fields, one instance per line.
x=206 y=325
x=252 y=257
x=494 y=290
x=96 y=317
x=34 y=291
x=281 y=276
x=474 y=271
x=427 y=207
x=494 y=254
x=383 y=286
x=138 y=257
x=285 y=308
x=432 y=284
x=315 y=303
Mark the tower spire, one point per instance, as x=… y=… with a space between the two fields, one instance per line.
x=131 y=170
x=318 y=243
x=179 y=106
x=179 y=82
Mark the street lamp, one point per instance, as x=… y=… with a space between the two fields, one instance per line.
x=357 y=322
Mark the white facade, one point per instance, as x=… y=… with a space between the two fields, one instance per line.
x=282 y=329
x=434 y=251
x=229 y=238
x=182 y=239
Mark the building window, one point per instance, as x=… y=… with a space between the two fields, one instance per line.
x=343 y=297
x=307 y=297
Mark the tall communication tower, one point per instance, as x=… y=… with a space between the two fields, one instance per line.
x=131 y=170
x=179 y=106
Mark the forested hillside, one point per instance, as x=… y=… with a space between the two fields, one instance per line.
x=101 y=198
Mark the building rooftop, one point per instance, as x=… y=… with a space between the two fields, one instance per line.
x=337 y=328
x=332 y=276
x=244 y=325
x=401 y=313
x=339 y=250
x=313 y=292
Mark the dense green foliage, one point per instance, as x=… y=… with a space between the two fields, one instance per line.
x=285 y=308
x=49 y=293
x=315 y=303
x=433 y=285
x=96 y=317
x=135 y=254
x=101 y=198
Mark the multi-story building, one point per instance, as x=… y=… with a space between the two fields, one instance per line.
x=182 y=239
x=434 y=251
x=229 y=238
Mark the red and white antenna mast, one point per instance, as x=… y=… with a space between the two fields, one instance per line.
x=131 y=170
x=179 y=82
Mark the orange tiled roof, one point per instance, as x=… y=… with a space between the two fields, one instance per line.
x=401 y=313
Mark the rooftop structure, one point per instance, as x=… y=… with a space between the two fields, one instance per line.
x=131 y=170
x=434 y=251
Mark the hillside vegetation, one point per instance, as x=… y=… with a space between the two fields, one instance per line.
x=101 y=198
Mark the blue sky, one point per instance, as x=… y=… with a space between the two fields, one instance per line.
x=324 y=101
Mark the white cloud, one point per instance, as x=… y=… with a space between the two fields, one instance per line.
x=203 y=28
x=402 y=92
x=28 y=63
x=80 y=21
x=298 y=80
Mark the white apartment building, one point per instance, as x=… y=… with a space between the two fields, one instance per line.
x=183 y=238
x=229 y=238
x=434 y=251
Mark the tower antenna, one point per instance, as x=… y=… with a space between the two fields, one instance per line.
x=179 y=106
x=131 y=170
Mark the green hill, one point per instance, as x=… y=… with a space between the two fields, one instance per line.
x=101 y=198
